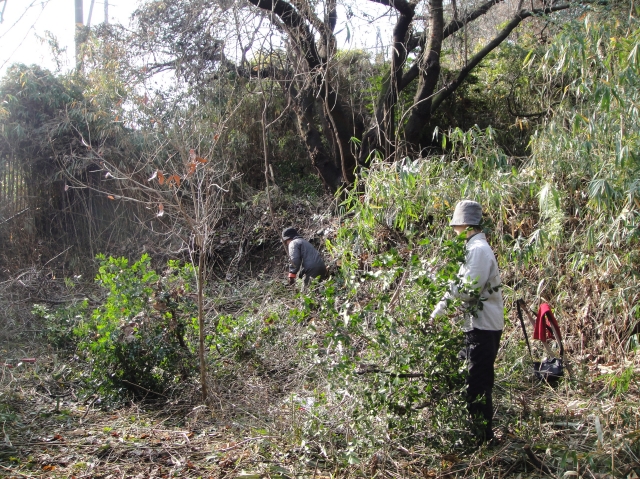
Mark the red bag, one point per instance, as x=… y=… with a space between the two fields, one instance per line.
x=544 y=322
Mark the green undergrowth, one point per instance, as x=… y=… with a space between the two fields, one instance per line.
x=351 y=370
x=140 y=339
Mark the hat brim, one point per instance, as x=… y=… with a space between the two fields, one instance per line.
x=451 y=223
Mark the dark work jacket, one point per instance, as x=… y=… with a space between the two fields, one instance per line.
x=305 y=259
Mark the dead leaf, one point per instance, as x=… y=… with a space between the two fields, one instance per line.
x=452 y=458
x=192 y=168
x=48 y=467
x=111 y=197
x=227 y=461
x=158 y=306
x=201 y=160
x=192 y=154
x=160 y=178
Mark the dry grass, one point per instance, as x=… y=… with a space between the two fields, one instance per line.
x=252 y=428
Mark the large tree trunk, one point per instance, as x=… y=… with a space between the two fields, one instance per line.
x=381 y=136
x=429 y=73
x=343 y=128
x=322 y=161
x=297 y=21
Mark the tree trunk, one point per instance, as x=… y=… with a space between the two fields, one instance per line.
x=297 y=22
x=203 y=364
x=430 y=71
x=322 y=161
x=381 y=136
x=344 y=129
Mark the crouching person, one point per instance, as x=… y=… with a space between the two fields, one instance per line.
x=306 y=261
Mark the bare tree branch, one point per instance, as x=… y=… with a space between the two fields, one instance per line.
x=478 y=57
x=401 y=6
x=456 y=25
x=419 y=40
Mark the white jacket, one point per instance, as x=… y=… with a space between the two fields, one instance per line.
x=479 y=273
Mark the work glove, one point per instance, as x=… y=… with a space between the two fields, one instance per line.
x=292 y=278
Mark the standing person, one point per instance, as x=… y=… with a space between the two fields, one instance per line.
x=305 y=259
x=483 y=308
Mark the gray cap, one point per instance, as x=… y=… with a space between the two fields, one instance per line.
x=467 y=213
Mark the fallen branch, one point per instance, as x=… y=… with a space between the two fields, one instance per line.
x=244 y=442
x=396 y=294
x=144 y=389
x=469 y=466
x=13 y=471
x=535 y=462
x=375 y=369
x=94 y=399
x=11 y=217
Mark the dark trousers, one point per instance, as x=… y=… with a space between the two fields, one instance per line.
x=481 y=349
x=310 y=274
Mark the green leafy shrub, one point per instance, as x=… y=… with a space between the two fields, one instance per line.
x=140 y=338
x=59 y=323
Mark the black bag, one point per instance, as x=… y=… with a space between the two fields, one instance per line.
x=550 y=369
